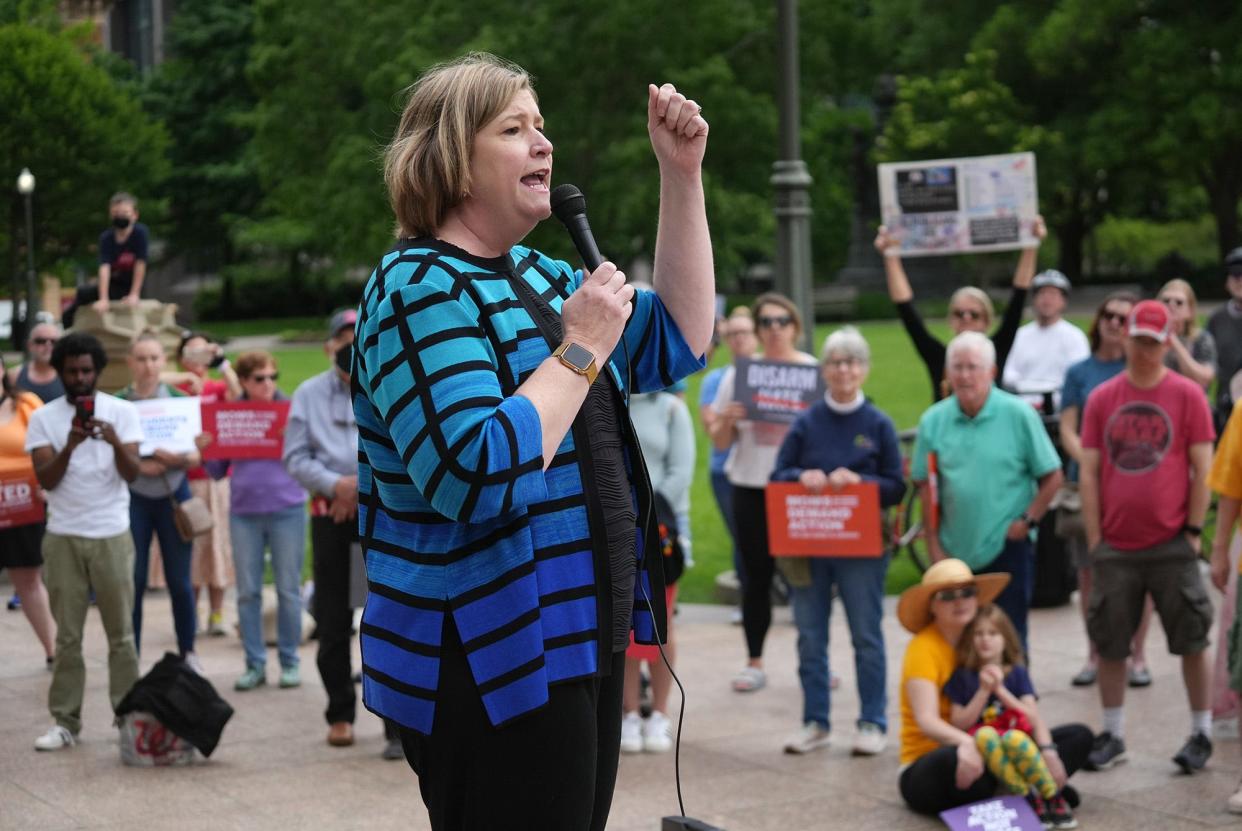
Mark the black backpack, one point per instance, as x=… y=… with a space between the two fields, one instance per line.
x=670 y=545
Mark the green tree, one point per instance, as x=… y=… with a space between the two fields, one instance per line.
x=201 y=93
x=80 y=134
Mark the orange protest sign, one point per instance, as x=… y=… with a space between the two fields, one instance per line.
x=844 y=523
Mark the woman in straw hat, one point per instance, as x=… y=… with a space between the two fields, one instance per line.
x=940 y=766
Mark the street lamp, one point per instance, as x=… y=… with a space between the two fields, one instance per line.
x=792 y=181
x=26 y=186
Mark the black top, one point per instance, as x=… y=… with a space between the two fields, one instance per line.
x=932 y=351
x=46 y=392
x=609 y=475
x=121 y=257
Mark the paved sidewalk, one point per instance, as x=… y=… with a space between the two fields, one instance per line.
x=273 y=769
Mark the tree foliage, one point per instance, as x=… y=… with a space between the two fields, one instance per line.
x=78 y=132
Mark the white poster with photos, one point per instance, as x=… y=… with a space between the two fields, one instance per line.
x=958 y=206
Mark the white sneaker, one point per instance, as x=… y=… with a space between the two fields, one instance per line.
x=55 y=738
x=192 y=661
x=657 y=736
x=869 y=740
x=811 y=737
x=632 y=733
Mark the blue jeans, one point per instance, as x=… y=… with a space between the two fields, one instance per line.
x=285 y=532
x=723 y=491
x=1017 y=559
x=860 y=584
x=154 y=518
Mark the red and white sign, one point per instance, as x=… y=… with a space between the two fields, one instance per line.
x=20 y=503
x=834 y=523
x=245 y=429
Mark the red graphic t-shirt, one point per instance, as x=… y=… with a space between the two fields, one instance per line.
x=1144 y=439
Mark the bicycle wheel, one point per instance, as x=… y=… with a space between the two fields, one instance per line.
x=909 y=531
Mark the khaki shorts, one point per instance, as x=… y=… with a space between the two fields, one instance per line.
x=1121 y=581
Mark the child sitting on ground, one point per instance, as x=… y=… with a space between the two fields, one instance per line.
x=992 y=698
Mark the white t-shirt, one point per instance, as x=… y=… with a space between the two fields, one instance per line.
x=753 y=456
x=1039 y=358
x=92 y=500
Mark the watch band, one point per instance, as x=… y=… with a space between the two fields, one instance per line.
x=1028 y=519
x=1193 y=530
x=579 y=359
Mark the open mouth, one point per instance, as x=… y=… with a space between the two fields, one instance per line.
x=537 y=181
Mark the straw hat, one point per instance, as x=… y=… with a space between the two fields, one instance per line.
x=914 y=605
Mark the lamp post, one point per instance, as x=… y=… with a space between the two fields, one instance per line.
x=26 y=186
x=791 y=180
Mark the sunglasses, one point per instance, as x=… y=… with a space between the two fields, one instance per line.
x=967 y=314
x=1173 y=301
x=259 y=379
x=42 y=341
x=1235 y=273
x=775 y=322
x=1112 y=317
x=961 y=593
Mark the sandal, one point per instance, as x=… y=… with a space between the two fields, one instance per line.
x=749 y=679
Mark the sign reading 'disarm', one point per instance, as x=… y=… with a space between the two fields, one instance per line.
x=954 y=206
x=775 y=391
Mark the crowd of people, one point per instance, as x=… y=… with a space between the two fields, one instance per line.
x=523 y=506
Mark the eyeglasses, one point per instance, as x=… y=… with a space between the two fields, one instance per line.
x=961 y=593
x=43 y=341
x=965 y=368
x=737 y=333
x=1113 y=317
x=775 y=322
x=967 y=314
x=1173 y=301
x=842 y=363
x=259 y=379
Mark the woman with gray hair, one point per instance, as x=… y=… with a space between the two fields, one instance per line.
x=841 y=440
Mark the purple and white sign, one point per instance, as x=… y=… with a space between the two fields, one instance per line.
x=1004 y=813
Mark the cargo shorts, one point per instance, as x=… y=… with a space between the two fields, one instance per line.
x=1121 y=580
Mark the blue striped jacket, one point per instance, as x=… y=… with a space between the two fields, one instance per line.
x=455 y=511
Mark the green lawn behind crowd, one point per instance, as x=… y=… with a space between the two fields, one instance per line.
x=898 y=384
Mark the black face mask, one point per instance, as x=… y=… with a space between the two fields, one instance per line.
x=120 y=222
x=345 y=358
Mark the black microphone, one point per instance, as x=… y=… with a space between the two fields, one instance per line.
x=569 y=205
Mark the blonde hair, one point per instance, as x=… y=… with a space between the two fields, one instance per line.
x=1192 y=305
x=1011 y=656
x=979 y=296
x=427 y=164
x=144 y=336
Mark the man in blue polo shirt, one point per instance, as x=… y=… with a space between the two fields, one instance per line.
x=996 y=471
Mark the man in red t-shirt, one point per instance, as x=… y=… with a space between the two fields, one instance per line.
x=1147 y=447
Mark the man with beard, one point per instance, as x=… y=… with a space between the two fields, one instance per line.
x=84 y=446
x=1147 y=449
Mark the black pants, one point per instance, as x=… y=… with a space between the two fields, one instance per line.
x=87 y=295
x=750 y=518
x=928 y=784
x=330 y=544
x=550 y=770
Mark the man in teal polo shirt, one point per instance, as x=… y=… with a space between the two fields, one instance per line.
x=996 y=472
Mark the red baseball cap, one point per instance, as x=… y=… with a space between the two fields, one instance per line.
x=1150 y=319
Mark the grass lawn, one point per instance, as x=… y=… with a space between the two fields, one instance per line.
x=898 y=384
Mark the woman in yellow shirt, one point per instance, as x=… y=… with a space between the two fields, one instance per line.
x=940 y=765
x=20 y=545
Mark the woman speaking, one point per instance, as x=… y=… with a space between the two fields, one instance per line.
x=503 y=503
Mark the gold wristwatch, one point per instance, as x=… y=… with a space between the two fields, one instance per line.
x=579 y=359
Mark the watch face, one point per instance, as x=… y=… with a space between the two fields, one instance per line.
x=578 y=356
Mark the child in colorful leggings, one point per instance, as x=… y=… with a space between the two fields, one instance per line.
x=992 y=698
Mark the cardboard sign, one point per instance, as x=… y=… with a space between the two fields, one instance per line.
x=1004 y=813
x=775 y=391
x=168 y=424
x=20 y=503
x=245 y=429
x=954 y=206
x=844 y=523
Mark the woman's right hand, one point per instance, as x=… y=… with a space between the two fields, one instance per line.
x=594 y=316
x=969 y=765
x=887 y=244
x=813 y=479
x=203 y=440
